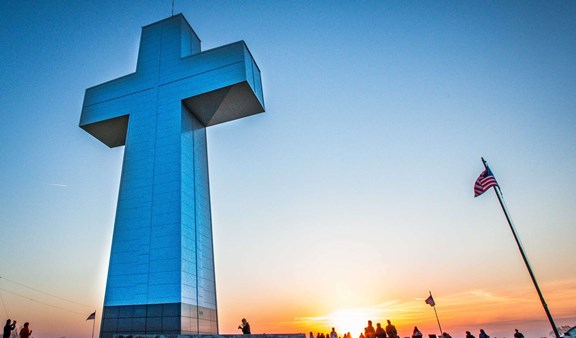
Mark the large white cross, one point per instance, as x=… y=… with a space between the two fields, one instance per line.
x=162 y=252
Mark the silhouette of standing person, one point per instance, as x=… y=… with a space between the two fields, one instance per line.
x=8 y=328
x=391 y=330
x=518 y=334
x=333 y=333
x=483 y=334
x=245 y=327
x=25 y=332
x=370 y=332
x=469 y=335
x=380 y=333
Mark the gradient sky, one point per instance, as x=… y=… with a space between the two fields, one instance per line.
x=349 y=199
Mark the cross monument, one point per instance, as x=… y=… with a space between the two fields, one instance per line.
x=161 y=274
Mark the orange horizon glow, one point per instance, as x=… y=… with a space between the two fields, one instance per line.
x=497 y=312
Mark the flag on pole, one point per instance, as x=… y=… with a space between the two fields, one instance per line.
x=430 y=301
x=485 y=181
x=92 y=316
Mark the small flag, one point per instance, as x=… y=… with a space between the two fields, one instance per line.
x=92 y=316
x=485 y=181
x=430 y=301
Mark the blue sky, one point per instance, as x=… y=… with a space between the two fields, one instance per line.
x=357 y=181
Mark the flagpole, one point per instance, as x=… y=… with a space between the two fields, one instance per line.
x=548 y=314
x=436 y=313
x=93 y=324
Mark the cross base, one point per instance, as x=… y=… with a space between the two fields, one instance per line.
x=158 y=319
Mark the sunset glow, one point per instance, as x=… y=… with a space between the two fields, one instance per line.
x=345 y=320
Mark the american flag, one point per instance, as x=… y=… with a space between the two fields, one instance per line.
x=485 y=181
x=430 y=301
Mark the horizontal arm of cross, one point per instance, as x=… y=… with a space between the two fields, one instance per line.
x=227 y=73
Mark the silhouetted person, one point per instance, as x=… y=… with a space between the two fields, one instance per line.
x=333 y=333
x=8 y=328
x=469 y=335
x=370 y=332
x=483 y=334
x=518 y=334
x=362 y=335
x=380 y=333
x=245 y=327
x=311 y=334
x=391 y=330
x=25 y=332
x=446 y=335
x=416 y=333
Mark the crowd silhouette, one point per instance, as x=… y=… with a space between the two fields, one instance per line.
x=390 y=331
x=11 y=331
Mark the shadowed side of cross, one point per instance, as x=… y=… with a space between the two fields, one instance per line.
x=162 y=251
x=222 y=84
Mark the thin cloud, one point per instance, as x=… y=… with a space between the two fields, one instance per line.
x=57 y=185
